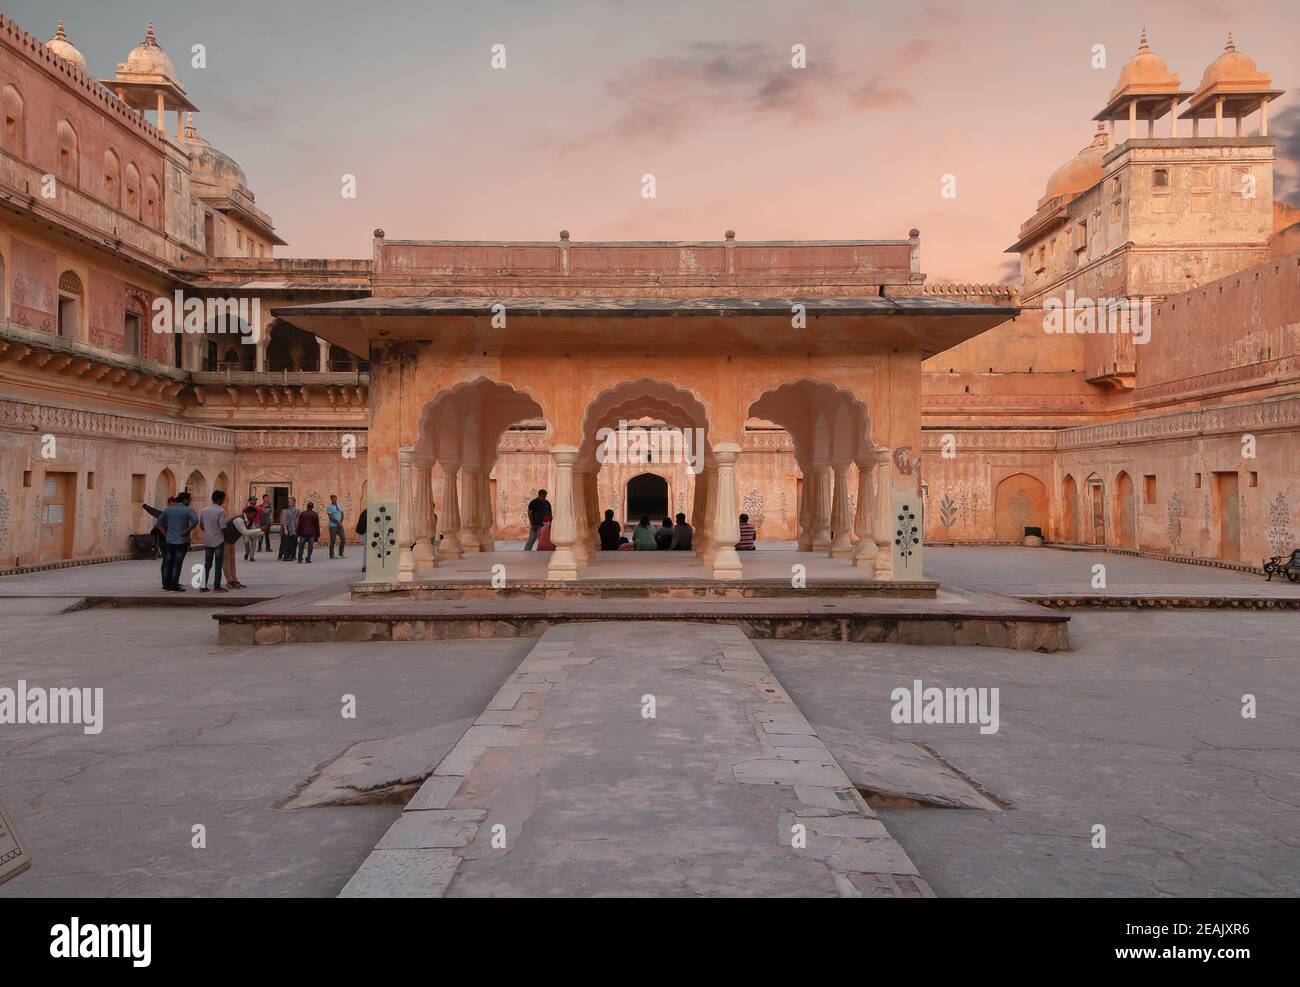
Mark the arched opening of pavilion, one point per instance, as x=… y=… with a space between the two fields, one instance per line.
x=290 y=348
x=444 y=478
x=647 y=494
x=645 y=450
x=837 y=510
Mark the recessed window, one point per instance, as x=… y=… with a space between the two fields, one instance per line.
x=1254 y=478
x=1198 y=481
x=1149 y=489
x=137 y=488
x=90 y=480
x=131 y=334
x=27 y=478
x=1160 y=178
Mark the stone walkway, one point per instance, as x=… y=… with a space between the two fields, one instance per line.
x=562 y=787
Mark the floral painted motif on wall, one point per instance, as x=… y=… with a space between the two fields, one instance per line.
x=1280 y=538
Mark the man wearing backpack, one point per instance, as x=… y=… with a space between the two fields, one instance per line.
x=237 y=531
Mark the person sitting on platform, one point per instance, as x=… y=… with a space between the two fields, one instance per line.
x=664 y=536
x=747 y=535
x=643 y=537
x=610 y=531
x=681 y=535
x=544 y=543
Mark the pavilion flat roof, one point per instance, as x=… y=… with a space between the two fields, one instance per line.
x=726 y=324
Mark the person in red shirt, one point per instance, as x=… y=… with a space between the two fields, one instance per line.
x=308 y=530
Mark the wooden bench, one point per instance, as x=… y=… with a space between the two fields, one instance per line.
x=1290 y=568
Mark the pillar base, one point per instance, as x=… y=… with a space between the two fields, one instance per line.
x=425 y=558
x=450 y=547
x=726 y=565
x=563 y=565
x=405 y=565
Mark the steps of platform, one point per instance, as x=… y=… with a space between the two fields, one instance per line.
x=955 y=618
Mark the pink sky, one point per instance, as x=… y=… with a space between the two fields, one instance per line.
x=700 y=94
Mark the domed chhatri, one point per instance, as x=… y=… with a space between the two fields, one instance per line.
x=1081 y=172
x=1145 y=71
x=211 y=166
x=147 y=81
x=61 y=46
x=1232 y=69
x=148 y=59
x=1232 y=86
x=218 y=179
x=1146 y=90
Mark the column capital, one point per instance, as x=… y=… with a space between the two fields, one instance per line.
x=726 y=452
x=564 y=455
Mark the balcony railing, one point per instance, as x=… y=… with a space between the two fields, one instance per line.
x=15 y=333
x=234 y=377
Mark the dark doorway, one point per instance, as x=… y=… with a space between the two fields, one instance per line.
x=647 y=494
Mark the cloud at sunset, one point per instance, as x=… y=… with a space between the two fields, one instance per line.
x=596 y=95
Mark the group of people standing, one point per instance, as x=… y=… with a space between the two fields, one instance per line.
x=221 y=533
x=669 y=536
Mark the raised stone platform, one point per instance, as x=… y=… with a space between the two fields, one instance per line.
x=952 y=617
x=620 y=589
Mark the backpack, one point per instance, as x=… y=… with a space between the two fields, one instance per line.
x=230 y=532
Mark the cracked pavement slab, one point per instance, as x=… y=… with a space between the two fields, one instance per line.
x=1140 y=729
x=198 y=733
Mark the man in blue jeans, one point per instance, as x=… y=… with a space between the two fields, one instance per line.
x=211 y=520
x=177 y=521
x=308 y=531
x=334 y=514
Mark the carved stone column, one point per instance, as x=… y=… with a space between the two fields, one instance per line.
x=469 y=532
x=726 y=525
x=884 y=533
x=864 y=518
x=564 y=564
x=596 y=514
x=450 y=545
x=841 y=543
x=426 y=521
x=486 y=540
x=805 y=516
x=821 y=508
x=704 y=523
x=407 y=522
x=697 y=511
x=581 y=521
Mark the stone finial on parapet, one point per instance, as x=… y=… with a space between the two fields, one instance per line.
x=564 y=234
x=730 y=234
x=379 y=233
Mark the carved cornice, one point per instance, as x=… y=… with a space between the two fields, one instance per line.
x=981 y=438
x=1281 y=414
x=294 y=438
x=38 y=418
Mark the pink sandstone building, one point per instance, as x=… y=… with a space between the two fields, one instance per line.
x=383 y=380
